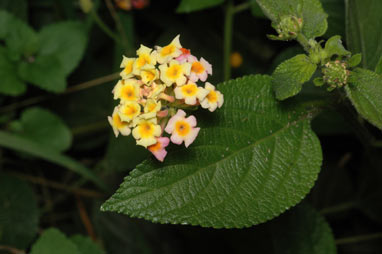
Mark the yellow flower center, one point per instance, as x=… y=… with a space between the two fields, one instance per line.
x=174 y=71
x=197 y=67
x=182 y=128
x=117 y=121
x=142 y=60
x=130 y=110
x=189 y=90
x=128 y=93
x=146 y=129
x=151 y=107
x=212 y=96
x=168 y=50
x=149 y=75
x=129 y=67
x=157 y=146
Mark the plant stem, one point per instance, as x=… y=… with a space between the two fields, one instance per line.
x=303 y=41
x=228 y=24
x=104 y=27
x=338 y=208
x=72 y=89
x=358 y=238
x=118 y=23
x=242 y=7
x=11 y=249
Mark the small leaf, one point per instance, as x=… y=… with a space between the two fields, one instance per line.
x=85 y=245
x=45 y=128
x=45 y=72
x=19 y=37
x=312 y=14
x=333 y=46
x=365 y=92
x=251 y=161
x=364 y=30
x=187 y=6
x=53 y=241
x=10 y=83
x=66 y=41
x=318 y=81
x=303 y=230
x=18 y=213
x=355 y=60
x=291 y=74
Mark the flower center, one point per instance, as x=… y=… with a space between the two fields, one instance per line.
x=189 y=90
x=142 y=60
x=130 y=111
x=182 y=128
x=117 y=121
x=174 y=71
x=168 y=50
x=129 y=67
x=157 y=146
x=146 y=130
x=128 y=93
x=212 y=96
x=197 y=67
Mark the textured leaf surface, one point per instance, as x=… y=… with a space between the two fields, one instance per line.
x=291 y=74
x=365 y=92
x=18 y=213
x=196 y=5
x=333 y=46
x=45 y=128
x=314 y=17
x=364 y=30
x=10 y=83
x=85 y=245
x=253 y=160
x=53 y=241
x=45 y=72
x=303 y=230
x=66 y=41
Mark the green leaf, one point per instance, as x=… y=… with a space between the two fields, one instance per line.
x=45 y=128
x=19 y=8
x=53 y=241
x=364 y=30
x=252 y=161
x=45 y=72
x=314 y=17
x=66 y=41
x=10 y=82
x=303 y=230
x=356 y=60
x=25 y=145
x=333 y=46
x=336 y=17
x=85 y=245
x=365 y=92
x=291 y=74
x=18 y=213
x=187 y=6
x=20 y=38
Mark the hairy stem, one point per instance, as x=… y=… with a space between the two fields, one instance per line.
x=104 y=27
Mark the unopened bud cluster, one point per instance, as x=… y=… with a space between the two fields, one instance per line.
x=335 y=74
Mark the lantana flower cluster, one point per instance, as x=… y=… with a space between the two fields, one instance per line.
x=154 y=88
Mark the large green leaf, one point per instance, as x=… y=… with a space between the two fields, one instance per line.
x=53 y=241
x=365 y=92
x=291 y=74
x=18 y=213
x=10 y=83
x=252 y=160
x=303 y=230
x=314 y=17
x=196 y=5
x=45 y=72
x=364 y=30
x=25 y=145
x=66 y=41
x=45 y=128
